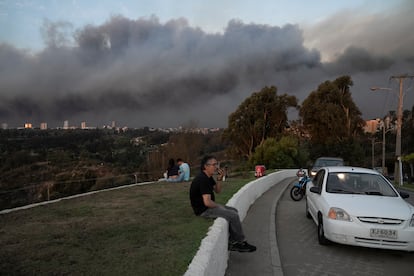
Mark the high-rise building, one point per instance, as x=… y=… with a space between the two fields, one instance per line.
x=66 y=124
x=43 y=126
x=83 y=125
x=113 y=124
x=27 y=125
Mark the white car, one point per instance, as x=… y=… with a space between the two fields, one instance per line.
x=360 y=207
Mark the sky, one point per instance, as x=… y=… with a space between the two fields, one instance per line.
x=164 y=63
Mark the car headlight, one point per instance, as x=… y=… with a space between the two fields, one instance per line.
x=412 y=221
x=338 y=214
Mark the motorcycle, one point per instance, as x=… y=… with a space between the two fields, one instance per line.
x=298 y=190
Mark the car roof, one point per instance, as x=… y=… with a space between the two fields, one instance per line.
x=330 y=158
x=350 y=169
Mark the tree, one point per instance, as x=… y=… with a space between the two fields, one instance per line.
x=410 y=160
x=408 y=140
x=262 y=115
x=329 y=113
x=185 y=145
x=407 y=143
x=285 y=153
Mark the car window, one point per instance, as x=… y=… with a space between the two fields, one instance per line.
x=318 y=179
x=358 y=183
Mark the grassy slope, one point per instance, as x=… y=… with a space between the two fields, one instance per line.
x=145 y=230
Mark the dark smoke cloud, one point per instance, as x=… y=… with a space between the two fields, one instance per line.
x=359 y=60
x=144 y=73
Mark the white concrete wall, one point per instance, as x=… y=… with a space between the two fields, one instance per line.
x=212 y=256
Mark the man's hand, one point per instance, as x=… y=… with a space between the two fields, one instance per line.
x=220 y=174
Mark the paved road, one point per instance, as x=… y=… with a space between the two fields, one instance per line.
x=259 y=227
x=301 y=254
x=411 y=198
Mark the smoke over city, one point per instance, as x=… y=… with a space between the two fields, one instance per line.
x=141 y=72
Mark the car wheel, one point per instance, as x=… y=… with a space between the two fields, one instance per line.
x=308 y=215
x=321 y=234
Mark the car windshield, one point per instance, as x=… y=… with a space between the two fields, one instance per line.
x=358 y=183
x=328 y=162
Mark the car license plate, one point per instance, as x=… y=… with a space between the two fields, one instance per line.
x=383 y=233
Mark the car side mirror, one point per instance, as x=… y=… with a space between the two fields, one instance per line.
x=315 y=190
x=404 y=194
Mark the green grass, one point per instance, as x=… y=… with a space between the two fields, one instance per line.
x=409 y=186
x=145 y=230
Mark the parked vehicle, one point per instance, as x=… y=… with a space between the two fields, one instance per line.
x=360 y=207
x=298 y=190
x=325 y=162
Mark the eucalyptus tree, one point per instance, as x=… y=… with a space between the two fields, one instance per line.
x=330 y=114
x=260 y=116
x=333 y=121
x=407 y=142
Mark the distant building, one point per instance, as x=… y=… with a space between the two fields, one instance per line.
x=66 y=124
x=27 y=125
x=371 y=126
x=83 y=125
x=4 y=126
x=43 y=126
x=138 y=140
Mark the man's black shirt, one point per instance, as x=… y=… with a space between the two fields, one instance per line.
x=201 y=185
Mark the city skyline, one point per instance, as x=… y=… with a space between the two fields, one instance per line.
x=371 y=126
x=65 y=125
x=112 y=125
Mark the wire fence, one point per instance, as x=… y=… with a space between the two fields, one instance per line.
x=51 y=190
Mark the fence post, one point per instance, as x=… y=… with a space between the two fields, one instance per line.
x=48 y=191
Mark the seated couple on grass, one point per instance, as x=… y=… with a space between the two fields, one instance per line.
x=177 y=172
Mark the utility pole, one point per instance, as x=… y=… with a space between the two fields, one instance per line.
x=398 y=164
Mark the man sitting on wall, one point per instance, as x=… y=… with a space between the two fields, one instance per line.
x=202 y=199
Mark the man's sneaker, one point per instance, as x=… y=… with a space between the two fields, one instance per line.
x=242 y=247
x=231 y=245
